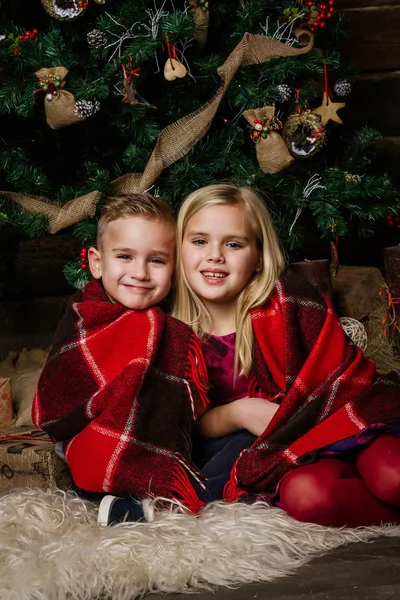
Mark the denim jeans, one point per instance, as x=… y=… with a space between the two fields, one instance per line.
x=215 y=458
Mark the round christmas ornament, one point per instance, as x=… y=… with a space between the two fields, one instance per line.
x=304 y=134
x=59 y=104
x=356 y=331
x=272 y=153
x=65 y=10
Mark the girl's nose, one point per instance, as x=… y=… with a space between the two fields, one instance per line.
x=215 y=254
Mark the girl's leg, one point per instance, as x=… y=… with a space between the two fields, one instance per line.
x=331 y=492
x=215 y=458
x=379 y=467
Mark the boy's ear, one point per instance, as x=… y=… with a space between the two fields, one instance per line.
x=94 y=259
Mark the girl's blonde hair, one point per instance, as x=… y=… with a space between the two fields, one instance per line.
x=189 y=308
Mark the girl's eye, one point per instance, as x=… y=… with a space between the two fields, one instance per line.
x=234 y=245
x=199 y=242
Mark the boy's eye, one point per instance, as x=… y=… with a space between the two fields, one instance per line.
x=158 y=261
x=124 y=256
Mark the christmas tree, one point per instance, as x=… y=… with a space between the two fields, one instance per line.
x=108 y=96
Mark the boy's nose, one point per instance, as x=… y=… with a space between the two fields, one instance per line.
x=139 y=271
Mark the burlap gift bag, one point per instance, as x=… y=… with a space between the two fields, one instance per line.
x=58 y=103
x=6 y=407
x=28 y=459
x=272 y=152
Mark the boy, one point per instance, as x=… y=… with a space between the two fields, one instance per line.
x=135 y=253
x=118 y=387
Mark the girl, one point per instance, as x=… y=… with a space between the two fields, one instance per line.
x=298 y=412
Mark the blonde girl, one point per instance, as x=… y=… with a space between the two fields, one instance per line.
x=298 y=414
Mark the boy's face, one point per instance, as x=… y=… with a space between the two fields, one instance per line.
x=135 y=260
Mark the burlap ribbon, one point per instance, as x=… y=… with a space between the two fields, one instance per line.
x=174 y=141
x=272 y=152
x=60 y=110
x=201 y=18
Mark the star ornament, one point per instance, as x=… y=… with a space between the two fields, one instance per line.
x=328 y=110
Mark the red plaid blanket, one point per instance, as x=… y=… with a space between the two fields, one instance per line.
x=329 y=391
x=126 y=388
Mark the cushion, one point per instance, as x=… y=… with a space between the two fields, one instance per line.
x=23 y=370
x=6 y=407
x=28 y=459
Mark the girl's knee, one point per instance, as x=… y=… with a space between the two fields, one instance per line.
x=379 y=467
x=386 y=485
x=306 y=499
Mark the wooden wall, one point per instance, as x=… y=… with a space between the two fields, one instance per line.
x=373 y=48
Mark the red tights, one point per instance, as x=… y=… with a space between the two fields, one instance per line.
x=361 y=490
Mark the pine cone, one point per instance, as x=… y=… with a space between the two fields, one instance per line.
x=342 y=87
x=97 y=38
x=86 y=108
x=284 y=92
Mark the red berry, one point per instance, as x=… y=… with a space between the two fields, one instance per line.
x=84 y=266
x=35 y=31
x=322 y=6
x=331 y=2
x=20 y=37
x=322 y=24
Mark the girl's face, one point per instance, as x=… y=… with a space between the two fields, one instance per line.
x=219 y=254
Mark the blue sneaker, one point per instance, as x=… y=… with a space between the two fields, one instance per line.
x=113 y=510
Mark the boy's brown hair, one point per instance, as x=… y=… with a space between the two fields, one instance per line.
x=134 y=205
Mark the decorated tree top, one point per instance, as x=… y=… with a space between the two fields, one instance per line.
x=114 y=96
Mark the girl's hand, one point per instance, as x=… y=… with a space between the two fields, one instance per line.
x=220 y=421
x=255 y=414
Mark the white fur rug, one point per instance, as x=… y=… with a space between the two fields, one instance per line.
x=51 y=548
